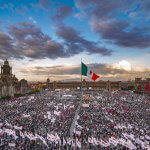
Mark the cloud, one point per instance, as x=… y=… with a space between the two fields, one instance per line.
x=77 y=43
x=80 y=15
x=62 y=12
x=45 y=4
x=103 y=69
x=27 y=40
x=116 y=31
x=32 y=20
x=146 y=5
x=55 y=70
x=31 y=42
x=102 y=9
x=70 y=73
x=133 y=14
x=107 y=19
x=6 y=49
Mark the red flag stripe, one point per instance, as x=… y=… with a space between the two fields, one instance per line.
x=94 y=76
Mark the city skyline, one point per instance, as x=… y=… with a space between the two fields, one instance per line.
x=45 y=38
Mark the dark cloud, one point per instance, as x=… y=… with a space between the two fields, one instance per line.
x=31 y=42
x=77 y=43
x=102 y=8
x=146 y=5
x=104 y=15
x=62 y=12
x=6 y=49
x=116 y=31
x=27 y=40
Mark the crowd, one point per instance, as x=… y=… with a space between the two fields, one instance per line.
x=117 y=120
x=106 y=120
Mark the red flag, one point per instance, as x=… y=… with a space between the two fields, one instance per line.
x=94 y=76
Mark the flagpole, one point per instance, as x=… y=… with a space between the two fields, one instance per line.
x=81 y=75
x=81 y=83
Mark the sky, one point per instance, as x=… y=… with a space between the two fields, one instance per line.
x=48 y=38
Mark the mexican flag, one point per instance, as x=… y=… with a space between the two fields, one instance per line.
x=86 y=72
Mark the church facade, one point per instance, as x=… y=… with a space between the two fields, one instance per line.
x=9 y=84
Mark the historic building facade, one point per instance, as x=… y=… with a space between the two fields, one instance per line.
x=142 y=86
x=138 y=85
x=9 y=84
x=86 y=85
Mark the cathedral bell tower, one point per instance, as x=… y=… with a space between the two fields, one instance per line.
x=6 y=70
x=6 y=78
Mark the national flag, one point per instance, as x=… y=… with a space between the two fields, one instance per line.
x=86 y=72
x=94 y=76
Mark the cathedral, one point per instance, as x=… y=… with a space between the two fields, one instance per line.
x=9 y=84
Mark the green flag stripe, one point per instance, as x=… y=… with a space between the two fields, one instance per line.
x=84 y=69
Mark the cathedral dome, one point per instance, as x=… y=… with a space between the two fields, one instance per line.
x=48 y=80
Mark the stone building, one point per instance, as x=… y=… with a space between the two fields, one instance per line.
x=142 y=86
x=138 y=85
x=23 y=86
x=86 y=85
x=9 y=84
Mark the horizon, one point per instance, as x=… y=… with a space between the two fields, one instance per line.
x=131 y=77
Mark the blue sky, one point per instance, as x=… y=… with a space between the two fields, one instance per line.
x=110 y=35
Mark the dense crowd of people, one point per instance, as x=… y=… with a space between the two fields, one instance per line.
x=117 y=120
x=106 y=120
